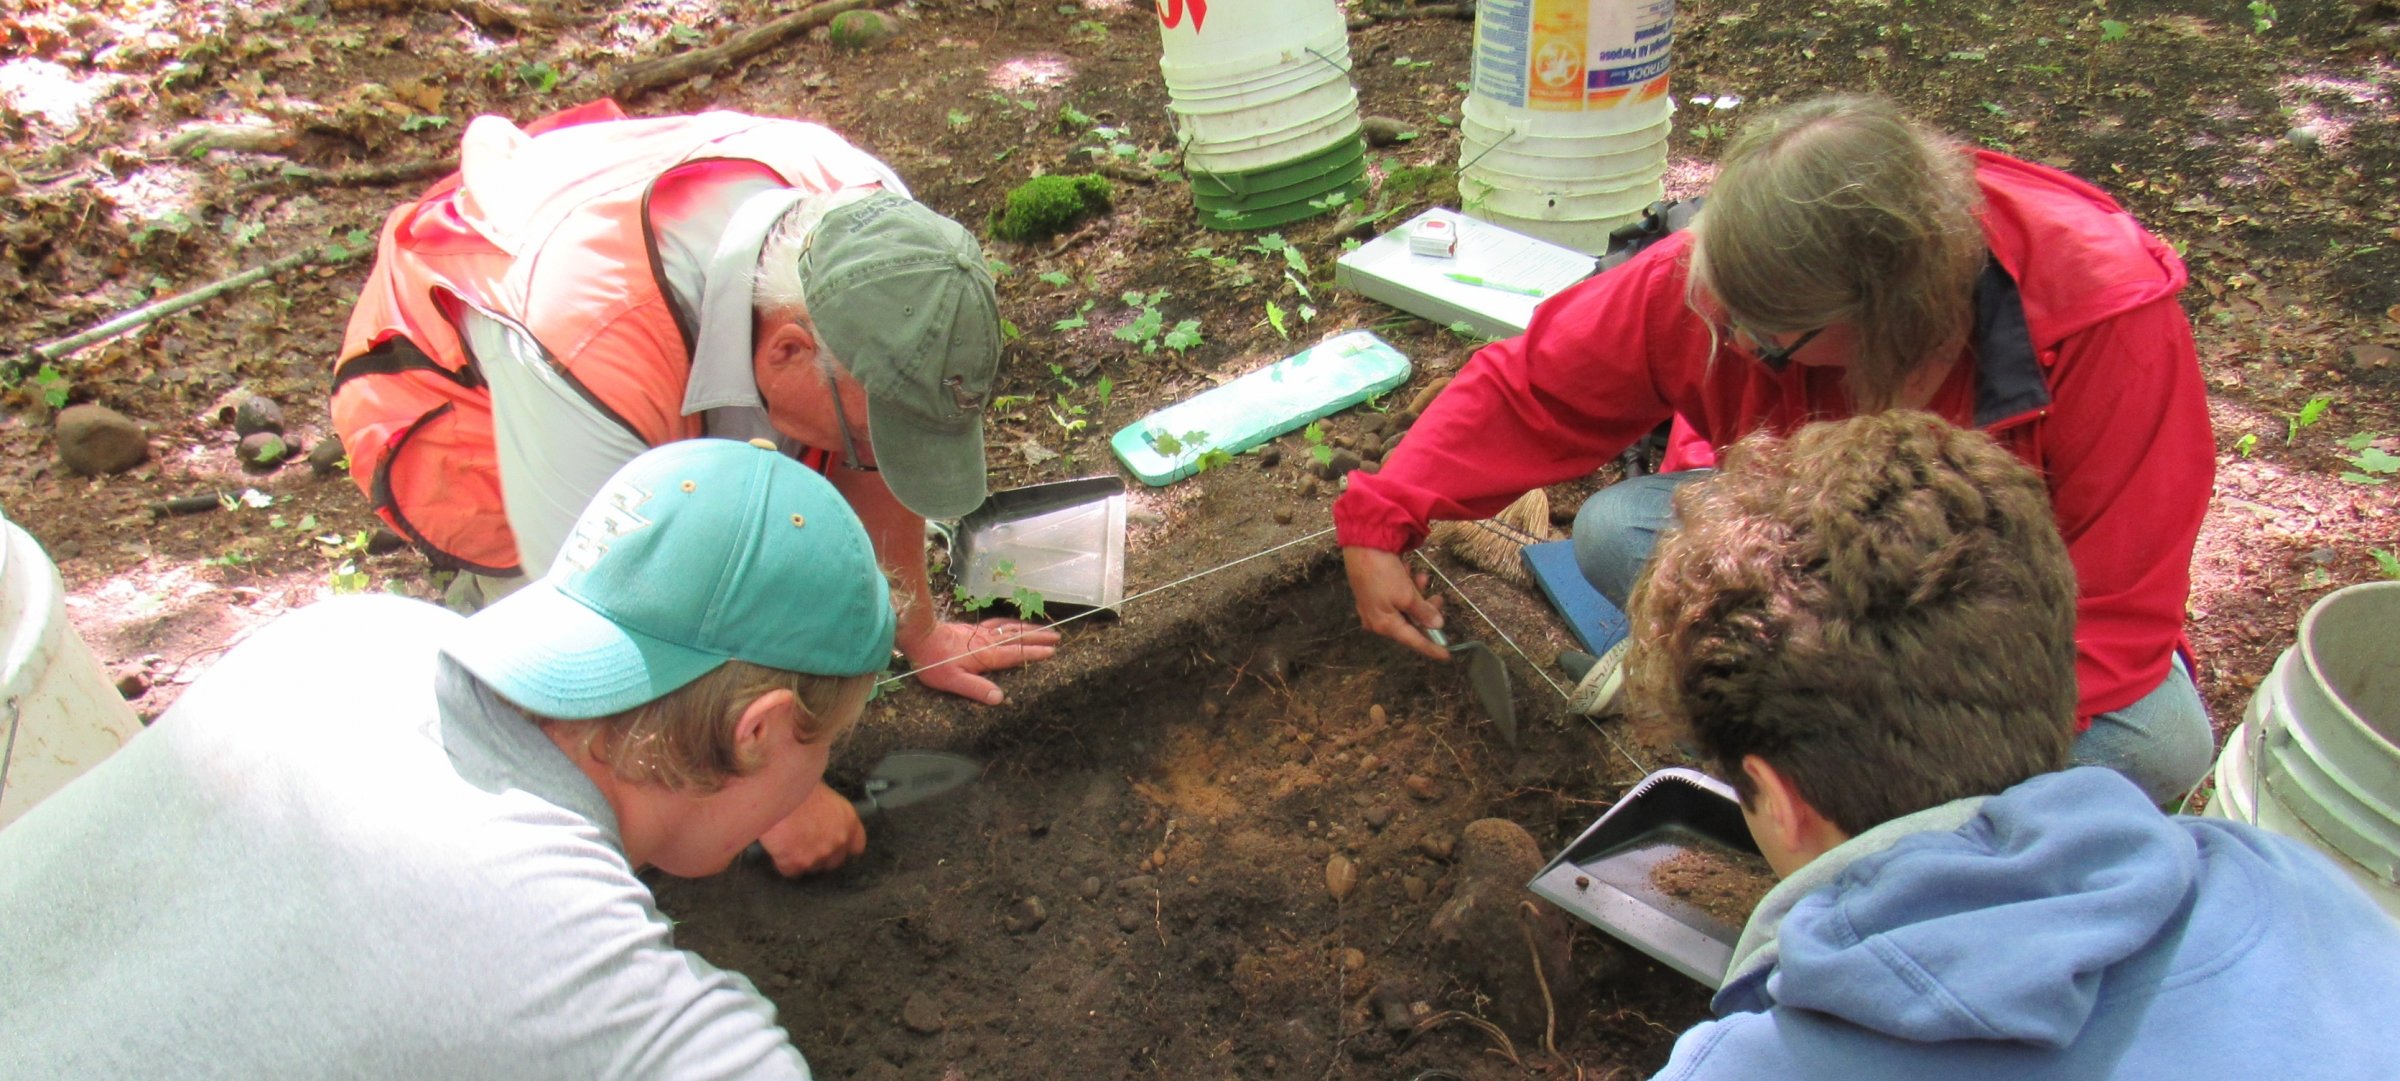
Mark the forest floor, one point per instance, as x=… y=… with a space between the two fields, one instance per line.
x=1171 y=788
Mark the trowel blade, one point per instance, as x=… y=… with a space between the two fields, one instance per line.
x=1487 y=676
x=907 y=777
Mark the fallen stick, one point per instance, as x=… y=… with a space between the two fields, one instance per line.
x=650 y=75
x=49 y=352
x=363 y=176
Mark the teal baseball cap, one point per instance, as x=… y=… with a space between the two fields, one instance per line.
x=902 y=297
x=693 y=554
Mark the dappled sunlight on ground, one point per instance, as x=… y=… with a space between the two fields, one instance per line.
x=1034 y=72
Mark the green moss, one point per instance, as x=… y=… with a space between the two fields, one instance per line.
x=1410 y=182
x=1048 y=205
x=859 y=31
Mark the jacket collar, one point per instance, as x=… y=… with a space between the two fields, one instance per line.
x=2009 y=382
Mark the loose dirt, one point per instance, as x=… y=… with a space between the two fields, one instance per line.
x=1722 y=883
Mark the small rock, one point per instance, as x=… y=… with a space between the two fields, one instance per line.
x=257 y=414
x=133 y=681
x=1308 y=486
x=1343 y=462
x=1130 y=921
x=1437 y=845
x=1270 y=457
x=1091 y=887
x=2303 y=136
x=325 y=459
x=1028 y=915
x=1378 y=714
x=1384 y=131
x=1415 y=887
x=921 y=1015
x=1283 y=516
x=65 y=550
x=859 y=31
x=263 y=452
x=1391 y=1000
x=1370 y=448
x=1422 y=787
x=1136 y=884
x=1351 y=958
x=1144 y=515
x=1379 y=817
x=95 y=440
x=1481 y=932
x=1369 y=763
x=1341 y=876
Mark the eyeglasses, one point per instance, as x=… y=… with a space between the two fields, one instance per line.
x=1775 y=357
x=841 y=418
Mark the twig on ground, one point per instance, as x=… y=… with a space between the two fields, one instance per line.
x=244 y=138
x=1526 y=914
x=637 y=79
x=362 y=177
x=1074 y=238
x=48 y=352
x=501 y=15
x=1434 y=1021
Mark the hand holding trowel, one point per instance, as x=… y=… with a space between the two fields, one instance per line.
x=900 y=779
x=1487 y=676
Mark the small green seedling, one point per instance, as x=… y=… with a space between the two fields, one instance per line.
x=52 y=386
x=1077 y=320
x=1058 y=278
x=1315 y=434
x=2247 y=443
x=1275 y=319
x=2308 y=414
x=960 y=119
x=2386 y=560
x=347 y=578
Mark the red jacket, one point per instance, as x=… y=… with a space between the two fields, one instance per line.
x=2081 y=363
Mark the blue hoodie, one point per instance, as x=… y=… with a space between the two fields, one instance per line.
x=2062 y=929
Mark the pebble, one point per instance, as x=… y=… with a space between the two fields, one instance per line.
x=1308 y=485
x=1270 y=457
x=325 y=459
x=1415 y=887
x=921 y=1015
x=1128 y=920
x=1369 y=764
x=1136 y=884
x=1091 y=887
x=1351 y=958
x=1341 y=876
x=1378 y=714
x=1283 y=516
x=263 y=452
x=133 y=681
x=1344 y=461
x=1422 y=787
x=1437 y=845
x=2303 y=136
x=1028 y=916
x=257 y=414
x=1378 y=817
x=1382 y=131
x=94 y=440
x=1391 y=1000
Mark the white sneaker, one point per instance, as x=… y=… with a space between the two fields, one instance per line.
x=1597 y=691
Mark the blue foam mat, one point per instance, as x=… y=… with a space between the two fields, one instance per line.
x=1596 y=623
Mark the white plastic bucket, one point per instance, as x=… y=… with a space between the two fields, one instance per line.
x=59 y=712
x=1231 y=40
x=1286 y=122
x=1563 y=135
x=2317 y=755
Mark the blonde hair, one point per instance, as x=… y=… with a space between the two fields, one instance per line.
x=776 y=291
x=685 y=740
x=1841 y=210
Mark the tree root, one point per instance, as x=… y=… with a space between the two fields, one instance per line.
x=637 y=79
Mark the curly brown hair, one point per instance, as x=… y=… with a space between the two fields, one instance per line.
x=1879 y=607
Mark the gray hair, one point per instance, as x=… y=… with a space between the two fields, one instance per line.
x=1842 y=210
x=777 y=292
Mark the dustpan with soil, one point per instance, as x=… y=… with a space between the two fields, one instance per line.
x=1670 y=869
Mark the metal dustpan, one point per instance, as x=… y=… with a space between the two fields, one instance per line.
x=1604 y=875
x=1487 y=676
x=1064 y=540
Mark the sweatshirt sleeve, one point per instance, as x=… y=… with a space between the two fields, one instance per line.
x=1554 y=403
x=2131 y=461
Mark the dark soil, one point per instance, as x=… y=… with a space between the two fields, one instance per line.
x=1724 y=884
x=1139 y=885
x=2266 y=152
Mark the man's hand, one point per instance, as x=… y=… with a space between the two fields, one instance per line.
x=962 y=646
x=819 y=836
x=1391 y=602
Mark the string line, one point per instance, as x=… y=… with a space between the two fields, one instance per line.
x=1529 y=661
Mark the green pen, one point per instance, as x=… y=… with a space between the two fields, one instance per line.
x=1470 y=279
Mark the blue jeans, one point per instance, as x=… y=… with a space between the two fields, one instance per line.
x=2162 y=742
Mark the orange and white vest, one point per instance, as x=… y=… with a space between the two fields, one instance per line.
x=547 y=227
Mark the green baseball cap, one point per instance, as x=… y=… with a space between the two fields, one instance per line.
x=693 y=554
x=901 y=296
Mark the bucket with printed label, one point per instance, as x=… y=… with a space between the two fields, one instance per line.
x=60 y=714
x=1563 y=135
x=1263 y=107
x=2317 y=755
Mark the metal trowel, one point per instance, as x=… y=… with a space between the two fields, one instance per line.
x=1487 y=676
x=906 y=777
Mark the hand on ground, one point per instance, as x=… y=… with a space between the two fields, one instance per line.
x=1390 y=601
x=963 y=646
x=820 y=836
